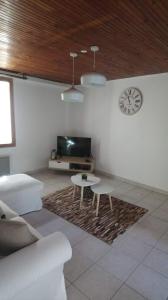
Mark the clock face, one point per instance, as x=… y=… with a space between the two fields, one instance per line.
x=130 y=101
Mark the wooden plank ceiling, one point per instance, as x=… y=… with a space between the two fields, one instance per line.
x=36 y=37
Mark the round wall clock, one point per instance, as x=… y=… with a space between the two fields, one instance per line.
x=130 y=101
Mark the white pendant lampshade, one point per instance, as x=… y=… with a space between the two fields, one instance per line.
x=93 y=78
x=72 y=95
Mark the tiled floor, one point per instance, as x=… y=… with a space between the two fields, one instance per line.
x=134 y=267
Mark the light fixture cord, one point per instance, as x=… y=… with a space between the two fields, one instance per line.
x=73 y=71
x=94 y=60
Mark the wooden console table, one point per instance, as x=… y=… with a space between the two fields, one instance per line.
x=73 y=164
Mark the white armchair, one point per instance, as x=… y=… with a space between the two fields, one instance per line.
x=36 y=272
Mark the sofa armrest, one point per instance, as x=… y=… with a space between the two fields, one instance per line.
x=25 y=266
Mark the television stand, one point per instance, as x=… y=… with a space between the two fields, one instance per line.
x=72 y=164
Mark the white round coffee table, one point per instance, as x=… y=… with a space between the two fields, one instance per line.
x=99 y=190
x=78 y=181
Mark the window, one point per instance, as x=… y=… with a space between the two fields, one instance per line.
x=7 y=128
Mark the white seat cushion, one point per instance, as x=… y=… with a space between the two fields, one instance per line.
x=17 y=182
x=21 y=192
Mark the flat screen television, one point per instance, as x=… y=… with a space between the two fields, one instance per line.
x=73 y=146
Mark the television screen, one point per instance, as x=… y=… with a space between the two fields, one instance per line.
x=73 y=146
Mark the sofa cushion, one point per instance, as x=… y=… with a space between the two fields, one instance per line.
x=21 y=192
x=7 y=211
x=14 y=235
x=17 y=182
x=32 y=229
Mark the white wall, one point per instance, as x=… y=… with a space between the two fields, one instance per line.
x=133 y=147
x=39 y=117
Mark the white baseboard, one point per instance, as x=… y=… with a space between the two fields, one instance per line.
x=148 y=187
x=109 y=175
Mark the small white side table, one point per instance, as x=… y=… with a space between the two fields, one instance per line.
x=99 y=190
x=77 y=181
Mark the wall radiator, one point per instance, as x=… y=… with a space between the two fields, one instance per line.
x=4 y=165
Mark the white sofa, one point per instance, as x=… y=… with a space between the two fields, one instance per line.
x=36 y=271
x=21 y=192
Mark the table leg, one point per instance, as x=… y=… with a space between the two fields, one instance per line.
x=111 y=206
x=81 y=200
x=94 y=197
x=98 y=202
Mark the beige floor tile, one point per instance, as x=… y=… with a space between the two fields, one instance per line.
x=49 y=189
x=92 y=248
x=74 y=294
x=162 y=244
x=123 y=188
x=149 y=283
x=114 y=182
x=77 y=265
x=74 y=234
x=126 y=293
x=151 y=203
x=159 y=196
x=162 y=212
x=127 y=198
x=149 y=230
x=98 y=284
x=67 y=283
x=52 y=226
x=132 y=246
x=118 y=263
x=165 y=205
x=157 y=260
x=138 y=193
x=40 y=217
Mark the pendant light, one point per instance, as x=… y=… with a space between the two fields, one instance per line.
x=72 y=95
x=93 y=78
